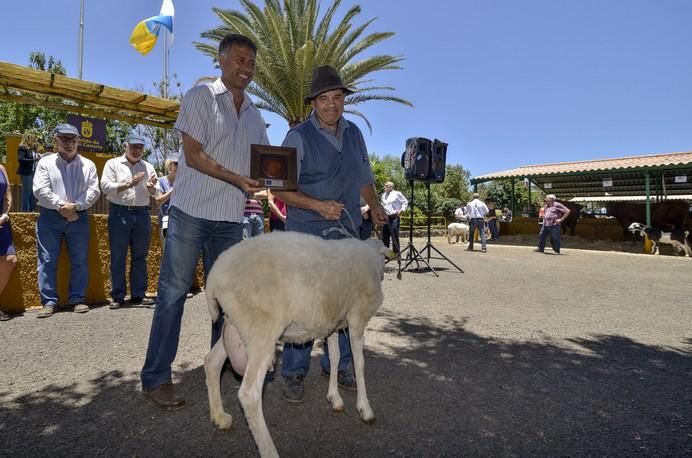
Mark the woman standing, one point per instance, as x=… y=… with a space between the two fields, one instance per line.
x=164 y=186
x=277 y=212
x=28 y=158
x=8 y=255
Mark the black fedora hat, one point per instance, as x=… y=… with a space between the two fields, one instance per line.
x=325 y=79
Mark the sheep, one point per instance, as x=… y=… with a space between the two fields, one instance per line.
x=291 y=287
x=458 y=230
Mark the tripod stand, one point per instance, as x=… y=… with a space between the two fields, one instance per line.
x=429 y=246
x=410 y=252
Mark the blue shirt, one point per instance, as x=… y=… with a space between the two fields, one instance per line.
x=330 y=167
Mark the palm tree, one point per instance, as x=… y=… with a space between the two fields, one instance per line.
x=291 y=41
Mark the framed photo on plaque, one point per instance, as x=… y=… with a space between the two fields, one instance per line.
x=275 y=167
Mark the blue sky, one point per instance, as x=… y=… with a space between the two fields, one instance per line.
x=504 y=82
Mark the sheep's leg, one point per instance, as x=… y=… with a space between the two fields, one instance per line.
x=213 y=363
x=362 y=404
x=333 y=395
x=250 y=394
x=235 y=347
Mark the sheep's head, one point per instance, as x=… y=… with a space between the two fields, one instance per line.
x=636 y=227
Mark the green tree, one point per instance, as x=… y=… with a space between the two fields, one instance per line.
x=292 y=39
x=23 y=118
x=500 y=192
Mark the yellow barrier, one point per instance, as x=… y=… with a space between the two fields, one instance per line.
x=22 y=290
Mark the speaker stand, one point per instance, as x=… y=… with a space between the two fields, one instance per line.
x=410 y=254
x=428 y=245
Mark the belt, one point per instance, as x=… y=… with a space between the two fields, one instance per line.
x=253 y=214
x=132 y=208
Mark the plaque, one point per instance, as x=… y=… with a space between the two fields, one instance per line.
x=275 y=167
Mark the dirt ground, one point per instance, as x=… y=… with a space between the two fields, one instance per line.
x=524 y=354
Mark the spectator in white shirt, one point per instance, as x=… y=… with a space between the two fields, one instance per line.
x=476 y=211
x=65 y=185
x=394 y=204
x=128 y=183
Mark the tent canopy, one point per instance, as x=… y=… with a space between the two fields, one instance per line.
x=27 y=85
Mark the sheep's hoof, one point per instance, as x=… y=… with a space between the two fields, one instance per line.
x=338 y=409
x=223 y=422
x=369 y=421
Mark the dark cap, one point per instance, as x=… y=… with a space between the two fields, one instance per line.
x=325 y=79
x=135 y=139
x=65 y=129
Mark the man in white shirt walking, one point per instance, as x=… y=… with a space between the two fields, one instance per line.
x=394 y=204
x=476 y=211
x=128 y=183
x=65 y=185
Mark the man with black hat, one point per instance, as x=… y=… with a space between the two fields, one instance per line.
x=333 y=173
x=218 y=122
x=128 y=183
x=65 y=185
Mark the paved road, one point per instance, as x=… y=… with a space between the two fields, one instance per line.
x=588 y=353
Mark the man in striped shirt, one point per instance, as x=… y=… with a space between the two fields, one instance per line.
x=218 y=123
x=333 y=173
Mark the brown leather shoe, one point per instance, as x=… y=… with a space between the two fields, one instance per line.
x=164 y=396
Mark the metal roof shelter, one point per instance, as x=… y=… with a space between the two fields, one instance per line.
x=656 y=175
x=27 y=85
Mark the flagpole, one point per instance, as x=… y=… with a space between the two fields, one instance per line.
x=165 y=86
x=81 y=38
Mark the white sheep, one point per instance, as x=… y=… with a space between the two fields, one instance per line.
x=458 y=230
x=291 y=287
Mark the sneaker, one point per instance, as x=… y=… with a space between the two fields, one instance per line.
x=4 y=316
x=469 y=248
x=115 y=304
x=345 y=379
x=537 y=251
x=190 y=295
x=46 y=311
x=81 y=308
x=147 y=301
x=293 y=390
x=483 y=250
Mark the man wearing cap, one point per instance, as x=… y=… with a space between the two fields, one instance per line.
x=128 y=182
x=65 y=185
x=333 y=173
x=476 y=211
x=218 y=122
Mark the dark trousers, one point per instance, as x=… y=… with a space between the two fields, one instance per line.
x=391 y=230
x=549 y=231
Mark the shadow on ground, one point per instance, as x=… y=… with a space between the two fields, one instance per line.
x=447 y=392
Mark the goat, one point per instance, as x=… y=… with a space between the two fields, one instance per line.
x=458 y=230
x=291 y=287
x=677 y=238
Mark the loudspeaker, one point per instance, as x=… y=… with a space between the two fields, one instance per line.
x=416 y=159
x=438 y=161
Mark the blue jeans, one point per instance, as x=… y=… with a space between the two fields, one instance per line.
x=128 y=229
x=554 y=233
x=295 y=359
x=253 y=225
x=480 y=224
x=494 y=232
x=51 y=228
x=28 y=201
x=187 y=236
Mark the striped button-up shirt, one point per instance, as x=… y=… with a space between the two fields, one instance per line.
x=119 y=171
x=208 y=114
x=58 y=182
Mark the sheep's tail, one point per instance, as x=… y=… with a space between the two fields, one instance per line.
x=212 y=303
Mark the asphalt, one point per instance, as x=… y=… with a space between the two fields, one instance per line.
x=524 y=354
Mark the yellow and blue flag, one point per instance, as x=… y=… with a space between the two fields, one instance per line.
x=145 y=33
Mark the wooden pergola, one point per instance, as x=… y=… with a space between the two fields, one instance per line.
x=26 y=85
